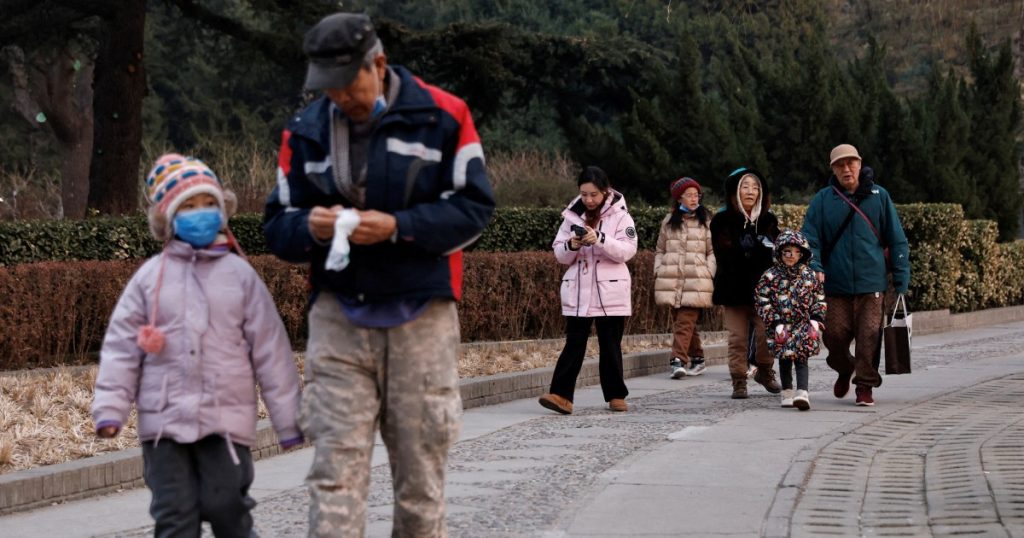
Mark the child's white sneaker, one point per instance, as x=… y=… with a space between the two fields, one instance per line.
x=802 y=400
x=787 y=397
x=676 y=368
x=696 y=366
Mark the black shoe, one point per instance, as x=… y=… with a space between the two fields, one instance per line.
x=842 y=386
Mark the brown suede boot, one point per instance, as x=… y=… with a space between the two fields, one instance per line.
x=617 y=404
x=557 y=403
x=766 y=377
x=739 y=389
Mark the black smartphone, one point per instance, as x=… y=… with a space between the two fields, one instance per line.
x=580 y=231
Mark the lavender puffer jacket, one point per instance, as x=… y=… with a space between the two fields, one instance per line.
x=597 y=282
x=223 y=333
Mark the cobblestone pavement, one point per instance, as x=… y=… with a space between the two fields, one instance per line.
x=950 y=465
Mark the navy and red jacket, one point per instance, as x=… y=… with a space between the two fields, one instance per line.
x=425 y=166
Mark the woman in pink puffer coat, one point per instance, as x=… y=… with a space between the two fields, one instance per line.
x=595 y=240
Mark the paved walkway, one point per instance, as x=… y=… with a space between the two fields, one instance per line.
x=940 y=454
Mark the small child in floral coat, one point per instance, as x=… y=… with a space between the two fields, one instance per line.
x=791 y=302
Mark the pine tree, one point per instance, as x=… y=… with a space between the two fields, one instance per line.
x=993 y=105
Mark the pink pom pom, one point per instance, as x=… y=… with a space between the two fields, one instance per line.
x=150 y=339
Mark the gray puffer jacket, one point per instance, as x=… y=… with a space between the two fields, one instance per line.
x=222 y=334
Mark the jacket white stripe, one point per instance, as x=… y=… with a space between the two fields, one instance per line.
x=462 y=157
x=284 y=192
x=413 y=149
x=318 y=167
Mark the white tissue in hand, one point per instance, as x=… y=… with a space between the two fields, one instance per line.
x=337 y=258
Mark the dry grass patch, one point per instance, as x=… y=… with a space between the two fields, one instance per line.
x=45 y=416
x=44 y=419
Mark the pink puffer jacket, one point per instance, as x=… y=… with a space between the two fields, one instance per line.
x=222 y=334
x=597 y=282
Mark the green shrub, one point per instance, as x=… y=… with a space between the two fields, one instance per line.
x=939 y=239
x=1011 y=273
x=979 y=285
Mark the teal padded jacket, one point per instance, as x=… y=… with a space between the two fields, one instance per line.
x=856 y=262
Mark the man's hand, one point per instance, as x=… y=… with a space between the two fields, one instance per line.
x=374 y=227
x=321 y=222
x=821 y=276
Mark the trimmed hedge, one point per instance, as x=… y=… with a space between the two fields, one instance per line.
x=512 y=230
x=56 y=312
x=54 y=309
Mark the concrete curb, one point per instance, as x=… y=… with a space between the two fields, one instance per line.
x=52 y=484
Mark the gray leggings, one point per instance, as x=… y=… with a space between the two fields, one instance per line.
x=196 y=482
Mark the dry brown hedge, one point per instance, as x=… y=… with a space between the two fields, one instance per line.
x=56 y=312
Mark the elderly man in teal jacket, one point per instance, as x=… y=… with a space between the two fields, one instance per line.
x=856 y=238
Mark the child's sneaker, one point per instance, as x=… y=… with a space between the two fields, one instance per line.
x=802 y=400
x=787 y=397
x=751 y=371
x=696 y=366
x=676 y=366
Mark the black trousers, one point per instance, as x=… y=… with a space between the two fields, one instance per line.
x=196 y=482
x=609 y=339
x=786 y=367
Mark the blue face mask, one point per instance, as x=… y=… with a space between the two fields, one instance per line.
x=684 y=209
x=198 y=227
x=379 y=107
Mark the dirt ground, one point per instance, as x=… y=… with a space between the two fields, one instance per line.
x=45 y=415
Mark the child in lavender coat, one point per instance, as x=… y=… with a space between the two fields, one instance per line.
x=192 y=333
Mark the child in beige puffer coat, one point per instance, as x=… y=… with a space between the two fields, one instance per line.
x=684 y=270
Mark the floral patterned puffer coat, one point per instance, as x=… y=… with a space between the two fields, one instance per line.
x=791 y=297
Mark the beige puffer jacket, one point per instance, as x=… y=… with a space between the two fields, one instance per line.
x=684 y=265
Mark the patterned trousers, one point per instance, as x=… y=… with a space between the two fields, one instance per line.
x=855 y=319
x=406 y=380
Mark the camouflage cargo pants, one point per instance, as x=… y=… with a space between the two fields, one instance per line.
x=406 y=380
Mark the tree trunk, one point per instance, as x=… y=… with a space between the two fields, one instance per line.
x=119 y=86
x=75 y=136
x=57 y=85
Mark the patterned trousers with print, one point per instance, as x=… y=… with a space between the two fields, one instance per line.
x=855 y=319
x=406 y=380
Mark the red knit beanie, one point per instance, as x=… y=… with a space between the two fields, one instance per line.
x=680 y=185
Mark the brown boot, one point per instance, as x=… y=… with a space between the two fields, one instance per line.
x=617 y=404
x=766 y=377
x=557 y=403
x=739 y=389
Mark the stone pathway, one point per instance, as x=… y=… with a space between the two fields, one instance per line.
x=949 y=465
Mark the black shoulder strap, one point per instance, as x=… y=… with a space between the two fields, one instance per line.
x=826 y=253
